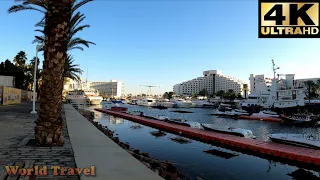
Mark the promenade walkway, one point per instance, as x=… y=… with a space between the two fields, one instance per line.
x=92 y=147
x=16 y=130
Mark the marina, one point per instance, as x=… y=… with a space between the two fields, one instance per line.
x=256 y=147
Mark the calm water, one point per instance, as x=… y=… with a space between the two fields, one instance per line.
x=190 y=157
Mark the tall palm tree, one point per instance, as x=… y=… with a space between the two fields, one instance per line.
x=71 y=70
x=57 y=32
x=245 y=89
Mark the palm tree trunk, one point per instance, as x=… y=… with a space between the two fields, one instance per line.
x=49 y=123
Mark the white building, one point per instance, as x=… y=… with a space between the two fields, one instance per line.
x=301 y=82
x=113 y=88
x=261 y=84
x=212 y=80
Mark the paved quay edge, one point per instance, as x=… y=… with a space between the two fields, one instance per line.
x=92 y=147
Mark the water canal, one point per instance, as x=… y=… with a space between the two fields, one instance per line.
x=190 y=158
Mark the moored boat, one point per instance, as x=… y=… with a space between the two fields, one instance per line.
x=300 y=120
x=229 y=130
x=312 y=141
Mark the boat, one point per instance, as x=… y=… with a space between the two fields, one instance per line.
x=224 y=107
x=277 y=93
x=133 y=102
x=93 y=96
x=181 y=103
x=182 y=122
x=300 y=120
x=203 y=104
x=231 y=113
x=165 y=103
x=77 y=97
x=229 y=130
x=149 y=102
x=265 y=114
x=304 y=140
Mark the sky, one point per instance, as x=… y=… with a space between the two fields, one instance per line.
x=165 y=42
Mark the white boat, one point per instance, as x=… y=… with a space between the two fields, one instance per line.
x=229 y=130
x=202 y=103
x=93 y=96
x=232 y=112
x=77 y=98
x=312 y=141
x=265 y=114
x=281 y=93
x=165 y=103
x=181 y=103
x=149 y=102
x=182 y=122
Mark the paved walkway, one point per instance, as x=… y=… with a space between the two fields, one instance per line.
x=16 y=129
x=92 y=147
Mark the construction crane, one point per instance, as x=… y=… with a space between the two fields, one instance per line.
x=149 y=90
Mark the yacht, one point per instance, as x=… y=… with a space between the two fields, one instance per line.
x=181 y=103
x=77 y=98
x=165 y=103
x=149 y=102
x=93 y=96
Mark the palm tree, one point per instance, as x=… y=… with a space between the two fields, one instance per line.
x=20 y=59
x=245 y=90
x=57 y=33
x=71 y=70
x=221 y=94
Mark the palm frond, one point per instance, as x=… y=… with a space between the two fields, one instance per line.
x=40 y=3
x=76 y=47
x=79 y=41
x=17 y=8
x=78 y=5
x=80 y=28
x=41 y=23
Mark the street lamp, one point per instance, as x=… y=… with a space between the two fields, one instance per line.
x=38 y=48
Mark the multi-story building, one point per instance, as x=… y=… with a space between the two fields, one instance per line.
x=260 y=84
x=113 y=88
x=301 y=82
x=212 y=80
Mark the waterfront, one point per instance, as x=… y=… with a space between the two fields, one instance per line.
x=190 y=158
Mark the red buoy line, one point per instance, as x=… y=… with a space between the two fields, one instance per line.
x=292 y=154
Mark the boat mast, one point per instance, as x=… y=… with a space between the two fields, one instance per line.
x=274 y=69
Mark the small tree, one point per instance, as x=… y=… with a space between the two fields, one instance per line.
x=203 y=92
x=221 y=94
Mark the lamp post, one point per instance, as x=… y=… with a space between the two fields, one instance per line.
x=35 y=80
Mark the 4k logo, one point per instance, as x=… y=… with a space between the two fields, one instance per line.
x=288 y=19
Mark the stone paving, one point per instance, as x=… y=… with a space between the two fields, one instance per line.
x=16 y=129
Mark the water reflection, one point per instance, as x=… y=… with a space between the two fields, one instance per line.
x=221 y=153
x=115 y=120
x=302 y=174
x=180 y=140
x=158 y=133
